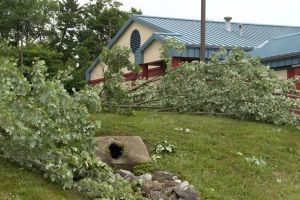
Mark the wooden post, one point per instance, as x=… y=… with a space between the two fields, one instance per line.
x=203 y=23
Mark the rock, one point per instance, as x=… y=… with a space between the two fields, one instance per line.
x=151 y=186
x=161 y=176
x=184 y=185
x=163 y=186
x=145 y=177
x=156 y=195
x=177 y=181
x=186 y=191
x=168 y=184
x=126 y=174
x=173 y=196
x=123 y=152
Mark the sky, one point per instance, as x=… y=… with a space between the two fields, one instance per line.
x=276 y=12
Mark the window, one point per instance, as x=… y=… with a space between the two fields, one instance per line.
x=135 y=41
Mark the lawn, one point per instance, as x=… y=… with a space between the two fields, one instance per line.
x=17 y=183
x=213 y=155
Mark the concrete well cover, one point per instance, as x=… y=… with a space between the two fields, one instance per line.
x=122 y=151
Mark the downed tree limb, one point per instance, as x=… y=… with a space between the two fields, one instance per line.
x=174 y=110
x=209 y=113
x=133 y=106
x=144 y=84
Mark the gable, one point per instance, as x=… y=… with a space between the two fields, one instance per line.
x=152 y=52
x=124 y=39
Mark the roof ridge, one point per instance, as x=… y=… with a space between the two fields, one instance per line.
x=172 y=18
x=216 y=21
x=168 y=33
x=286 y=36
x=262 y=44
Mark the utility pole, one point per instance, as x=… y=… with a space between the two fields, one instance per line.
x=203 y=23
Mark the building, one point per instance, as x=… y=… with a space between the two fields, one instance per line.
x=145 y=35
x=282 y=54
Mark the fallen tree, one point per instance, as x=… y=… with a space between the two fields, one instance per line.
x=45 y=128
x=231 y=83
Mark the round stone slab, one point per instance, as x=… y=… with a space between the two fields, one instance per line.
x=122 y=152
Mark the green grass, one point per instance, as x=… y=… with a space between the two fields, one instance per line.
x=17 y=183
x=208 y=156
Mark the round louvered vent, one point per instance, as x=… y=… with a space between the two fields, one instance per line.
x=135 y=41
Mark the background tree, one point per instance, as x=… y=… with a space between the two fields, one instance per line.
x=61 y=32
x=25 y=21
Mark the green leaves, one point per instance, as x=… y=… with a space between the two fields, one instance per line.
x=44 y=127
x=164 y=147
x=168 y=45
x=237 y=85
x=117 y=59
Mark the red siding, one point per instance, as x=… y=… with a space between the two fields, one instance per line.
x=157 y=71
x=131 y=76
x=176 y=62
x=96 y=81
x=295 y=71
x=297 y=111
x=144 y=73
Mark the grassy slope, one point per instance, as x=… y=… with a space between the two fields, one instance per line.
x=207 y=157
x=20 y=184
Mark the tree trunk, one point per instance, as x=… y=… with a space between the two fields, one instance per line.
x=62 y=40
x=21 y=58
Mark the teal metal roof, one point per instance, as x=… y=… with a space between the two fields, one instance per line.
x=280 y=46
x=280 y=52
x=188 y=31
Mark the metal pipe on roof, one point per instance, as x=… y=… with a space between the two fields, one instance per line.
x=241 y=30
x=227 y=23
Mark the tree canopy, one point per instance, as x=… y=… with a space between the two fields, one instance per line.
x=61 y=32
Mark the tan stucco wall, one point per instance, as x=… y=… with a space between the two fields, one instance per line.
x=98 y=71
x=152 y=53
x=282 y=74
x=124 y=40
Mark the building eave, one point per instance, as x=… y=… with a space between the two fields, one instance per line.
x=88 y=71
x=282 y=56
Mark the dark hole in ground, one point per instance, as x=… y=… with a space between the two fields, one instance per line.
x=116 y=151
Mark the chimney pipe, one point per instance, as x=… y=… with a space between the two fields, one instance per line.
x=227 y=23
x=241 y=29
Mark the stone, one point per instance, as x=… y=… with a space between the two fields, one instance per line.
x=156 y=195
x=149 y=186
x=145 y=177
x=126 y=174
x=160 y=176
x=122 y=152
x=186 y=191
x=177 y=181
x=168 y=184
x=164 y=186
x=184 y=185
